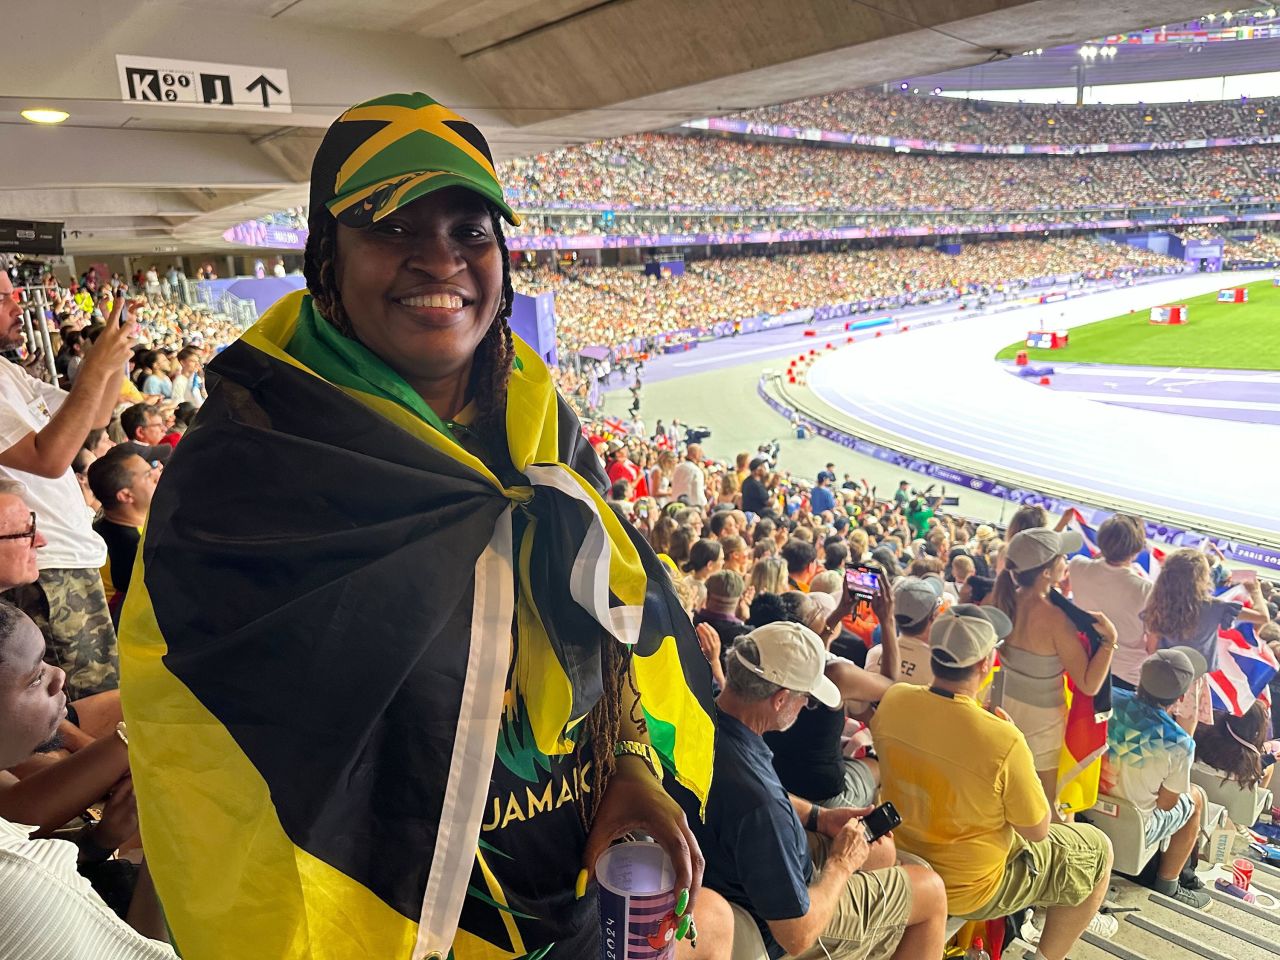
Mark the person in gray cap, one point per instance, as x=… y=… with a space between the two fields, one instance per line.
x=963 y=780
x=801 y=878
x=1148 y=763
x=1044 y=645
x=916 y=602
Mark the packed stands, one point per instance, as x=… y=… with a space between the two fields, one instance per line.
x=1264 y=247
x=611 y=306
x=755 y=184
x=941 y=118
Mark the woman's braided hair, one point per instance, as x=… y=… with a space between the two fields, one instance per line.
x=489 y=377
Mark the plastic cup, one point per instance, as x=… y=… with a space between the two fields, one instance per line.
x=637 y=903
x=1242 y=872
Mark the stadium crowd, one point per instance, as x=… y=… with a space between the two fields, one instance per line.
x=831 y=687
x=761 y=560
x=942 y=118
x=681 y=173
x=842 y=629
x=611 y=306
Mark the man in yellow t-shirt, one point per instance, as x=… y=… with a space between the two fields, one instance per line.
x=971 y=803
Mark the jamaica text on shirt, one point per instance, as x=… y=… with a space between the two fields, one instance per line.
x=554 y=795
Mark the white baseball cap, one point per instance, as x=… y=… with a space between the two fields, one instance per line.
x=966 y=633
x=792 y=656
x=1035 y=547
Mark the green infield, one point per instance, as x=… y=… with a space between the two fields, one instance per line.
x=1227 y=336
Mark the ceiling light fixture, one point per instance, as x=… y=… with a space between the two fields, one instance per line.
x=45 y=115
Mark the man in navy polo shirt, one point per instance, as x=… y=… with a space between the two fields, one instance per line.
x=800 y=878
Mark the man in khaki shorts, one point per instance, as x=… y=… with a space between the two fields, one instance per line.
x=802 y=880
x=971 y=803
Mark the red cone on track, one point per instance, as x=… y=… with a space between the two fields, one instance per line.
x=1044 y=381
x=848 y=339
x=879 y=332
x=811 y=332
x=791 y=378
x=813 y=353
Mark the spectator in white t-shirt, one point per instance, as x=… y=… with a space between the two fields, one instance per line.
x=41 y=430
x=916 y=604
x=689 y=482
x=1111 y=585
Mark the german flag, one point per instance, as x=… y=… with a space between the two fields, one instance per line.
x=317 y=652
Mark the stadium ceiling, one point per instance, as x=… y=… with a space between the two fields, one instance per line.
x=150 y=178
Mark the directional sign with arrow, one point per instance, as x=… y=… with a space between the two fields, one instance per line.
x=263 y=84
x=191 y=83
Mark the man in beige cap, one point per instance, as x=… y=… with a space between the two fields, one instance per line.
x=816 y=895
x=971 y=804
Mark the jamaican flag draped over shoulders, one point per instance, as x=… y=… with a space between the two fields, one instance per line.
x=319 y=664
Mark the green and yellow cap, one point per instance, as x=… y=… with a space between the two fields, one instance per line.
x=389 y=151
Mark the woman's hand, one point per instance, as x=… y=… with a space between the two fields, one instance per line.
x=1106 y=629
x=635 y=801
x=709 y=641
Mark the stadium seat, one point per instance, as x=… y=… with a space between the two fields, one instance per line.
x=747 y=942
x=1244 y=807
x=1121 y=821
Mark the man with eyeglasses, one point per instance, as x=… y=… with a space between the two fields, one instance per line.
x=802 y=880
x=41 y=430
x=143 y=425
x=123 y=483
x=19 y=540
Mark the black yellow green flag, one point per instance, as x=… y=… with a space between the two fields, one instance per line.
x=340 y=749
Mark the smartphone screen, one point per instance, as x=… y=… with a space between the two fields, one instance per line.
x=880 y=821
x=1244 y=576
x=862 y=581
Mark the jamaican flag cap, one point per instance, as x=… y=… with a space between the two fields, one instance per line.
x=389 y=151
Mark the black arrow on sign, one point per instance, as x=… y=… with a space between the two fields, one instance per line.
x=262 y=83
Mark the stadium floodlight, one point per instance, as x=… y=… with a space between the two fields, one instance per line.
x=904 y=86
x=1088 y=52
x=936 y=91
x=1271 y=11
x=1226 y=17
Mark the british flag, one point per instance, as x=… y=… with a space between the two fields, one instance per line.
x=1245 y=664
x=1245 y=668
x=1090 y=535
x=1149 y=562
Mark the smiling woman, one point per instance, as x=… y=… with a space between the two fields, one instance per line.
x=403 y=667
